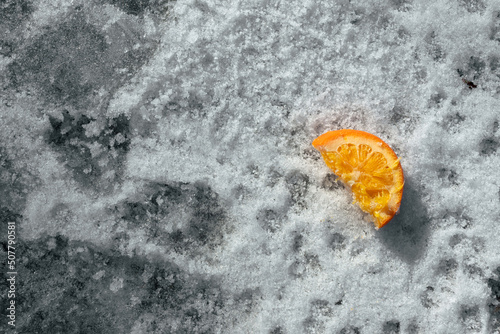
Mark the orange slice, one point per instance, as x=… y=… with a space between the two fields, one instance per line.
x=369 y=167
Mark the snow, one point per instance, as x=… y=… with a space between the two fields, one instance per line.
x=230 y=98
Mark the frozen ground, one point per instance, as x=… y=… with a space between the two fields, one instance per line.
x=156 y=158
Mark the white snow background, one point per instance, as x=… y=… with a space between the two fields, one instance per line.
x=232 y=97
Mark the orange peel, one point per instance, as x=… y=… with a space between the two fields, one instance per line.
x=369 y=167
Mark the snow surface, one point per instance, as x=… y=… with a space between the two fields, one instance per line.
x=228 y=100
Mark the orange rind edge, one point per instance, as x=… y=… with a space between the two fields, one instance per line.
x=321 y=141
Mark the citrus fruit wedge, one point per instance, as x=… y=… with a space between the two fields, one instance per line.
x=369 y=167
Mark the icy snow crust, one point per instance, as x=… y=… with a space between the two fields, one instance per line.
x=200 y=156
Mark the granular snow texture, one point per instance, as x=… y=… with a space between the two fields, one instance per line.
x=156 y=160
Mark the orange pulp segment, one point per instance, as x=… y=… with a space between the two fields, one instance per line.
x=369 y=167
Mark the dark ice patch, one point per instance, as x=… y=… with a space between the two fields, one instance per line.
x=458 y=217
x=7 y=216
x=331 y=182
x=71 y=63
x=473 y=69
x=277 y=330
x=240 y=192
x=321 y=307
x=337 y=241
x=473 y=6
x=194 y=107
x=350 y=330
x=391 y=327
x=474 y=243
x=451 y=122
x=471 y=318
x=298 y=242
x=476 y=65
x=494 y=64
x=495 y=27
x=402 y=117
x=179 y=215
x=6 y=48
x=304 y=265
x=67 y=62
x=401 y=5
x=434 y=47
x=15 y=183
x=427 y=297
x=473 y=270
x=494 y=301
x=270 y=220
x=67 y=129
x=489 y=146
x=449 y=176
x=13 y=13
x=298 y=185
x=320 y=310
x=456 y=239
x=273 y=177
x=208 y=216
x=313 y=325
x=413 y=328
x=248 y=299
x=437 y=98
x=447 y=267
x=133 y=7
x=67 y=136
x=93 y=289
